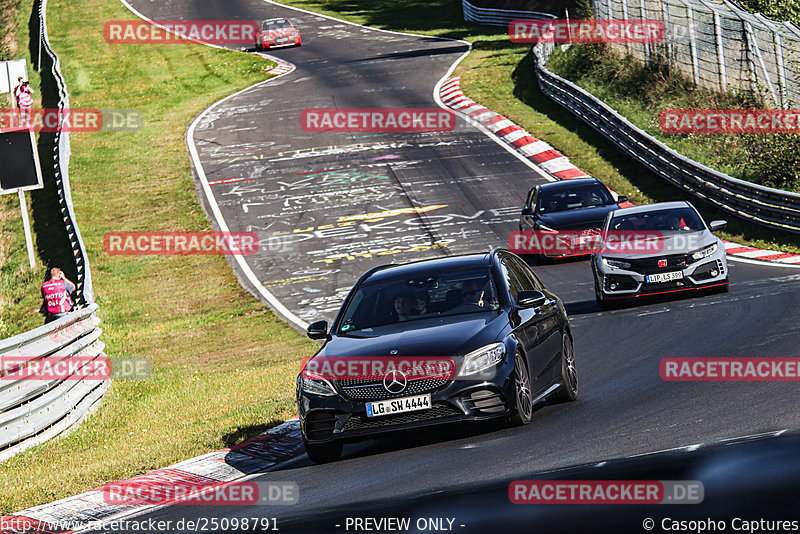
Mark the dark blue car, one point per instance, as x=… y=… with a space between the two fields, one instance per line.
x=580 y=204
x=461 y=338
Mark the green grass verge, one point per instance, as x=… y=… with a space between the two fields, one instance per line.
x=224 y=366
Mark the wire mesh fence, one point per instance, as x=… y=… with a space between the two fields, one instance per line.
x=718 y=45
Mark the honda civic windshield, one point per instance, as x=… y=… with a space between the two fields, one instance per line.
x=669 y=220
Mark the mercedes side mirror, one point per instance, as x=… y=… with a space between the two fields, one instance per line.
x=318 y=330
x=621 y=199
x=530 y=299
x=527 y=211
x=716 y=226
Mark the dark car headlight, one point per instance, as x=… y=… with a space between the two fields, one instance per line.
x=482 y=359
x=705 y=252
x=316 y=385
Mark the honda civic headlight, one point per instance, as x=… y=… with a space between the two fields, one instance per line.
x=704 y=253
x=616 y=264
x=310 y=383
x=482 y=359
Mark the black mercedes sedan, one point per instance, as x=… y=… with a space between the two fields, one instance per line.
x=460 y=338
x=579 y=204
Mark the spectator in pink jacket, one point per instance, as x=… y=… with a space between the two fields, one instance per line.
x=56 y=293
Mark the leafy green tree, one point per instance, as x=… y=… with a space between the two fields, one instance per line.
x=775 y=9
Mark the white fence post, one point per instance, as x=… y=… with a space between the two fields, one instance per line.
x=625 y=17
x=647 y=42
x=667 y=29
x=779 y=61
x=723 y=75
x=753 y=46
x=693 y=42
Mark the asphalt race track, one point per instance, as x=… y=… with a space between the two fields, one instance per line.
x=327 y=204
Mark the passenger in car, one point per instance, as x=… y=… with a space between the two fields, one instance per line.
x=420 y=302
x=402 y=306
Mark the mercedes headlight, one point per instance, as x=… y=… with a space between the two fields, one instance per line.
x=482 y=359
x=316 y=385
x=706 y=252
x=616 y=264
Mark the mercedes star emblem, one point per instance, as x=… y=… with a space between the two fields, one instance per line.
x=395 y=382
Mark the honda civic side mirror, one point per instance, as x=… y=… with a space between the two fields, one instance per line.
x=716 y=226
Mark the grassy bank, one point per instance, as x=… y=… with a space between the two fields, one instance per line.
x=224 y=366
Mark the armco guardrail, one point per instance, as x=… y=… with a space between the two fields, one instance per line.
x=763 y=205
x=498 y=17
x=84 y=291
x=34 y=410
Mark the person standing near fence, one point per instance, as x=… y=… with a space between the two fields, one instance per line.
x=56 y=294
x=24 y=95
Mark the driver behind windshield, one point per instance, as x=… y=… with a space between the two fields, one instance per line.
x=472 y=293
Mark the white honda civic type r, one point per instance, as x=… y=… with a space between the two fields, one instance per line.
x=656 y=249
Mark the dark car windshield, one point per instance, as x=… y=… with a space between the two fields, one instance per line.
x=275 y=25
x=574 y=198
x=677 y=219
x=438 y=293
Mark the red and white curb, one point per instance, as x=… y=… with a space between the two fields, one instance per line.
x=536 y=150
x=282 y=67
x=741 y=251
x=72 y=514
x=556 y=164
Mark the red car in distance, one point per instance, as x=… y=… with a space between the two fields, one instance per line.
x=279 y=32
